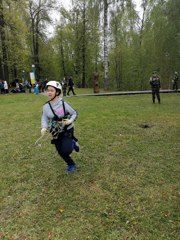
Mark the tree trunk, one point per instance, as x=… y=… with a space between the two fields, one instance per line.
x=106 y=80
x=142 y=23
x=4 y=66
x=36 y=53
x=14 y=72
x=62 y=59
x=1 y=70
x=84 y=47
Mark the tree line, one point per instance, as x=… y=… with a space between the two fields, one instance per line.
x=105 y=37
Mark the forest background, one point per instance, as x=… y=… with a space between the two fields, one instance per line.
x=110 y=38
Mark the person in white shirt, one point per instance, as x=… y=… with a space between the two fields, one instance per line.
x=6 y=87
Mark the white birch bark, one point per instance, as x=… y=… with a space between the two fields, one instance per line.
x=106 y=80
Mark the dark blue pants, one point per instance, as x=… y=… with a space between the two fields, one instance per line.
x=155 y=93
x=71 y=89
x=65 y=145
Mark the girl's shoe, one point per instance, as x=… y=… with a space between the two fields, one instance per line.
x=71 y=168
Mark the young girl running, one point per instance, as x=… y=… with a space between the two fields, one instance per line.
x=58 y=117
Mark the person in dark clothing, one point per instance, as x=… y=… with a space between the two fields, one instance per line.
x=71 y=86
x=175 y=81
x=155 y=85
x=1 y=86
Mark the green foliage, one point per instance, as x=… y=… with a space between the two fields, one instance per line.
x=137 y=44
x=15 y=38
x=127 y=181
x=70 y=35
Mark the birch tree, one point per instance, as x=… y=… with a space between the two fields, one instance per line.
x=38 y=11
x=105 y=28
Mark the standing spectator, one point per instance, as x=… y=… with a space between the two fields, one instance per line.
x=26 y=85
x=36 y=89
x=6 y=87
x=17 y=86
x=155 y=85
x=71 y=86
x=43 y=85
x=175 y=81
x=1 y=87
x=64 y=85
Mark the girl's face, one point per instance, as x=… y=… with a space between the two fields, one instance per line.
x=51 y=92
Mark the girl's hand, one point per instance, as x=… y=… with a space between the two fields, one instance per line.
x=67 y=121
x=43 y=131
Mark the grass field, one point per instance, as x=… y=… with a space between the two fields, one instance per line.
x=127 y=182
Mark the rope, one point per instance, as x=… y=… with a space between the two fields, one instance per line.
x=39 y=139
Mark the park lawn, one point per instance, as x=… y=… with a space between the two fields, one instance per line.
x=126 y=185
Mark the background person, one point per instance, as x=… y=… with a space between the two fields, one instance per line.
x=6 y=88
x=155 y=85
x=71 y=86
x=56 y=113
x=1 y=86
x=175 y=81
x=36 y=89
x=64 y=85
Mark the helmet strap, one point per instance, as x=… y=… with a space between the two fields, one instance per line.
x=56 y=95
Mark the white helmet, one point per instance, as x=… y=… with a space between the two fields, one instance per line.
x=54 y=84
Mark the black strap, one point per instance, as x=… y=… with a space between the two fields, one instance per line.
x=64 y=108
x=54 y=112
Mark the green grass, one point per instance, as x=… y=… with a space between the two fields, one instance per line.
x=127 y=181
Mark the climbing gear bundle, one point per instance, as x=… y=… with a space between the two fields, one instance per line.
x=56 y=125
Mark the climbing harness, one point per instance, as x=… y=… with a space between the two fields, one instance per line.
x=56 y=125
